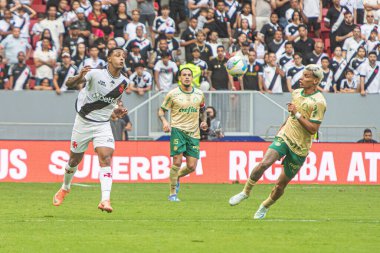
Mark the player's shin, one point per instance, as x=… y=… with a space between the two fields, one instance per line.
x=184 y=171
x=268 y=202
x=173 y=179
x=68 y=177
x=105 y=177
x=248 y=186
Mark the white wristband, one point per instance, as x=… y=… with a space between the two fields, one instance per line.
x=298 y=115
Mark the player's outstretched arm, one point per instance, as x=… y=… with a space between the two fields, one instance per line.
x=78 y=79
x=165 y=123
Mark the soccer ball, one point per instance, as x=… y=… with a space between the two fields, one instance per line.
x=237 y=66
x=204 y=86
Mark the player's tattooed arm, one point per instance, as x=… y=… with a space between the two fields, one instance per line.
x=311 y=127
x=165 y=123
x=203 y=116
x=78 y=79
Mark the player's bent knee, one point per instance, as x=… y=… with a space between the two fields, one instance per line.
x=105 y=160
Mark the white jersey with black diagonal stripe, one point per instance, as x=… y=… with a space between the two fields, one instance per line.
x=97 y=100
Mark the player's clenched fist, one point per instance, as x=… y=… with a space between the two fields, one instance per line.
x=292 y=108
x=84 y=71
x=166 y=127
x=204 y=126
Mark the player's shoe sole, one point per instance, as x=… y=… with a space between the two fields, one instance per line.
x=174 y=198
x=261 y=213
x=105 y=206
x=59 y=197
x=234 y=200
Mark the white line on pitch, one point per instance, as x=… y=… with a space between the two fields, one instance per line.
x=83 y=185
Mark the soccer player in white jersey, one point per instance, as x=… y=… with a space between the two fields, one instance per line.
x=96 y=102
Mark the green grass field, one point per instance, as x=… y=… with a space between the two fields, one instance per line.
x=309 y=218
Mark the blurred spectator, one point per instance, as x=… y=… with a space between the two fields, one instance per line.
x=204 y=49
x=111 y=43
x=294 y=74
x=13 y=44
x=349 y=84
x=141 y=80
x=351 y=6
x=96 y=16
x=197 y=61
x=37 y=29
x=195 y=6
x=272 y=75
x=369 y=26
x=372 y=5
x=93 y=61
x=161 y=23
x=238 y=44
x=370 y=75
x=338 y=66
x=295 y=6
x=223 y=24
x=277 y=45
x=21 y=17
x=303 y=44
x=218 y=75
x=244 y=28
x=80 y=54
x=144 y=44
x=173 y=44
x=86 y=7
x=3 y=75
x=316 y=55
x=359 y=12
x=3 y=8
x=188 y=38
x=232 y=9
x=71 y=15
x=147 y=14
x=253 y=78
x=134 y=57
x=45 y=84
x=121 y=20
x=73 y=39
x=54 y=25
x=19 y=74
x=269 y=29
x=211 y=22
x=62 y=11
x=291 y=30
x=259 y=46
x=245 y=14
x=281 y=7
x=262 y=11
x=63 y=72
x=6 y=24
x=345 y=29
x=367 y=137
x=372 y=42
x=202 y=19
x=213 y=43
x=162 y=48
x=357 y=62
x=286 y=61
x=44 y=60
x=128 y=124
x=84 y=25
x=243 y=52
x=177 y=12
x=46 y=34
x=117 y=125
x=352 y=44
x=164 y=72
x=130 y=29
x=327 y=82
x=313 y=12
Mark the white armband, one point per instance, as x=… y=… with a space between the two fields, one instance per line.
x=298 y=115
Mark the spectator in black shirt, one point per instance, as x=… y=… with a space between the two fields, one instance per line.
x=303 y=44
x=253 y=78
x=218 y=75
x=73 y=39
x=84 y=25
x=345 y=29
x=80 y=55
x=367 y=137
x=188 y=37
x=204 y=49
x=62 y=73
x=121 y=20
x=223 y=25
x=270 y=29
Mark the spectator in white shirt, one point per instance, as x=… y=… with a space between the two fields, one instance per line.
x=44 y=60
x=13 y=44
x=55 y=26
x=130 y=29
x=164 y=72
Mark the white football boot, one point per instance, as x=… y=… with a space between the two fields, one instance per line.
x=261 y=212
x=238 y=198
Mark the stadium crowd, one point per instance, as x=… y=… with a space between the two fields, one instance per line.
x=42 y=44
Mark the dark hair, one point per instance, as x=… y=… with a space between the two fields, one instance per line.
x=367 y=130
x=110 y=52
x=273 y=13
x=220 y=46
x=297 y=53
x=302 y=25
x=180 y=72
x=289 y=43
x=213 y=110
x=193 y=18
x=325 y=58
x=164 y=54
x=165 y=7
x=299 y=14
x=372 y=52
x=348 y=71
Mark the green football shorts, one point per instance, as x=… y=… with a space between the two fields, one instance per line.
x=292 y=162
x=180 y=142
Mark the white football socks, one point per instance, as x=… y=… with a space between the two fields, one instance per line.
x=69 y=174
x=105 y=177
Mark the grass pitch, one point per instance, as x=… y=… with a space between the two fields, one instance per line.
x=310 y=218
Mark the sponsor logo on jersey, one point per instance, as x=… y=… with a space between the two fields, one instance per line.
x=102 y=83
x=100 y=97
x=188 y=110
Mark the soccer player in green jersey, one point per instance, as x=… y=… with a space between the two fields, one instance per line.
x=187 y=106
x=293 y=141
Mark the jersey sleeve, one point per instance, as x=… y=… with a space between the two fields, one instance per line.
x=168 y=102
x=318 y=112
x=202 y=106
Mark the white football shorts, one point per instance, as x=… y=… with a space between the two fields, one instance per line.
x=85 y=131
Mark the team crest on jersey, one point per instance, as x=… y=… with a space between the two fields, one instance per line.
x=121 y=87
x=75 y=144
